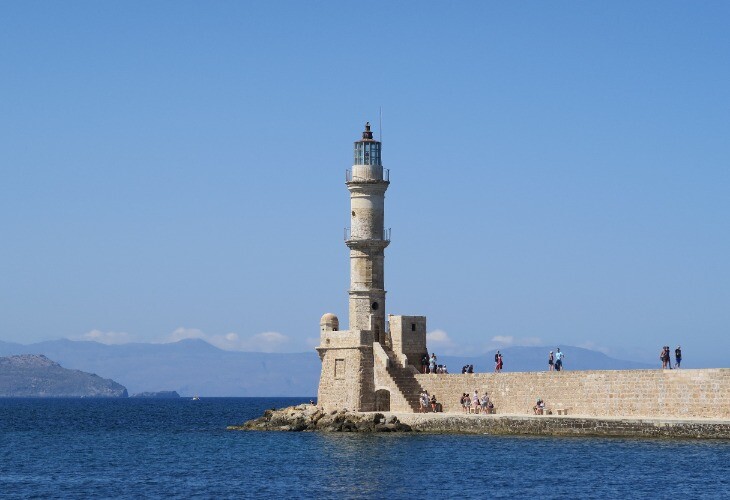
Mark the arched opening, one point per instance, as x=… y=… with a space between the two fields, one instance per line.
x=382 y=400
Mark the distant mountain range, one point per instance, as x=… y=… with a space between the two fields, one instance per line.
x=190 y=367
x=194 y=367
x=30 y=375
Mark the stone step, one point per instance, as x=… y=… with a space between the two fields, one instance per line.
x=409 y=388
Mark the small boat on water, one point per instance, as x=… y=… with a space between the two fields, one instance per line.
x=196 y=398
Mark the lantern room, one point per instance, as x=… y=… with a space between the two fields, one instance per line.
x=367 y=150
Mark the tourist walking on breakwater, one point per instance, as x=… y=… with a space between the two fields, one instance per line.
x=498 y=362
x=666 y=358
x=551 y=361
x=677 y=357
x=558 y=360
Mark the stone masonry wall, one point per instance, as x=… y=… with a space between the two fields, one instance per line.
x=606 y=393
x=408 y=335
x=346 y=380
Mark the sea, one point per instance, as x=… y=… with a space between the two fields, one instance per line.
x=180 y=448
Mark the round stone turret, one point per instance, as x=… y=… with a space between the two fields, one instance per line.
x=329 y=322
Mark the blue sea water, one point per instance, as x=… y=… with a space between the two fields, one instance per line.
x=133 y=448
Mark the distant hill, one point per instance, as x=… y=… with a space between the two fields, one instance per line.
x=194 y=367
x=31 y=375
x=190 y=367
x=530 y=359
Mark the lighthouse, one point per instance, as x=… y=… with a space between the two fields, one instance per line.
x=368 y=366
x=367 y=237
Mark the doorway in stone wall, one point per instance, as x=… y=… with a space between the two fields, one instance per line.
x=382 y=400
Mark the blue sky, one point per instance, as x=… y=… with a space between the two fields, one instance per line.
x=559 y=171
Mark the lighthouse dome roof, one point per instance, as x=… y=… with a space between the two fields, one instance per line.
x=329 y=319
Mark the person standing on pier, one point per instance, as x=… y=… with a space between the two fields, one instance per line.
x=559 y=360
x=677 y=357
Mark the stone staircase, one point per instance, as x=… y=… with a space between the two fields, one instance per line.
x=404 y=380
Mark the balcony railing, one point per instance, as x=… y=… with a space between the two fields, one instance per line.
x=358 y=178
x=348 y=235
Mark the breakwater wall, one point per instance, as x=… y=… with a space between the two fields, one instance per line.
x=565 y=426
x=313 y=418
x=703 y=393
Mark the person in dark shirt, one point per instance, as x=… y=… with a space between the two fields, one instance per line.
x=677 y=356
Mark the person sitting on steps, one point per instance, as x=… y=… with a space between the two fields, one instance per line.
x=539 y=407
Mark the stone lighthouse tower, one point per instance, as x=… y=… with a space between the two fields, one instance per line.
x=348 y=359
x=368 y=237
x=367 y=367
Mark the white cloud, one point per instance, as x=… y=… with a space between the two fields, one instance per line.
x=503 y=339
x=530 y=341
x=509 y=340
x=261 y=342
x=589 y=344
x=186 y=333
x=439 y=337
x=104 y=337
x=439 y=340
x=266 y=342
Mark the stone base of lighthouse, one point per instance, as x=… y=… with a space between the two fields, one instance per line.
x=362 y=374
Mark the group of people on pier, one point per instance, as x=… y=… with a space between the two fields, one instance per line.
x=555 y=361
x=666 y=358
x=476 y=404
x=429 y=365
x=429 y=403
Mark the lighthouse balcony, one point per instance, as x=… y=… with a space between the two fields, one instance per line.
x=385 y=237
x=367 y=173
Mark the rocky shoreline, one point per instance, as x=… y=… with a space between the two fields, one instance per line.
x=310 y=418
x=303 y=418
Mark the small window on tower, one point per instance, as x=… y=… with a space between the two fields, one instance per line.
x=353 y=213
x=375 y=306
x=413 y=327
